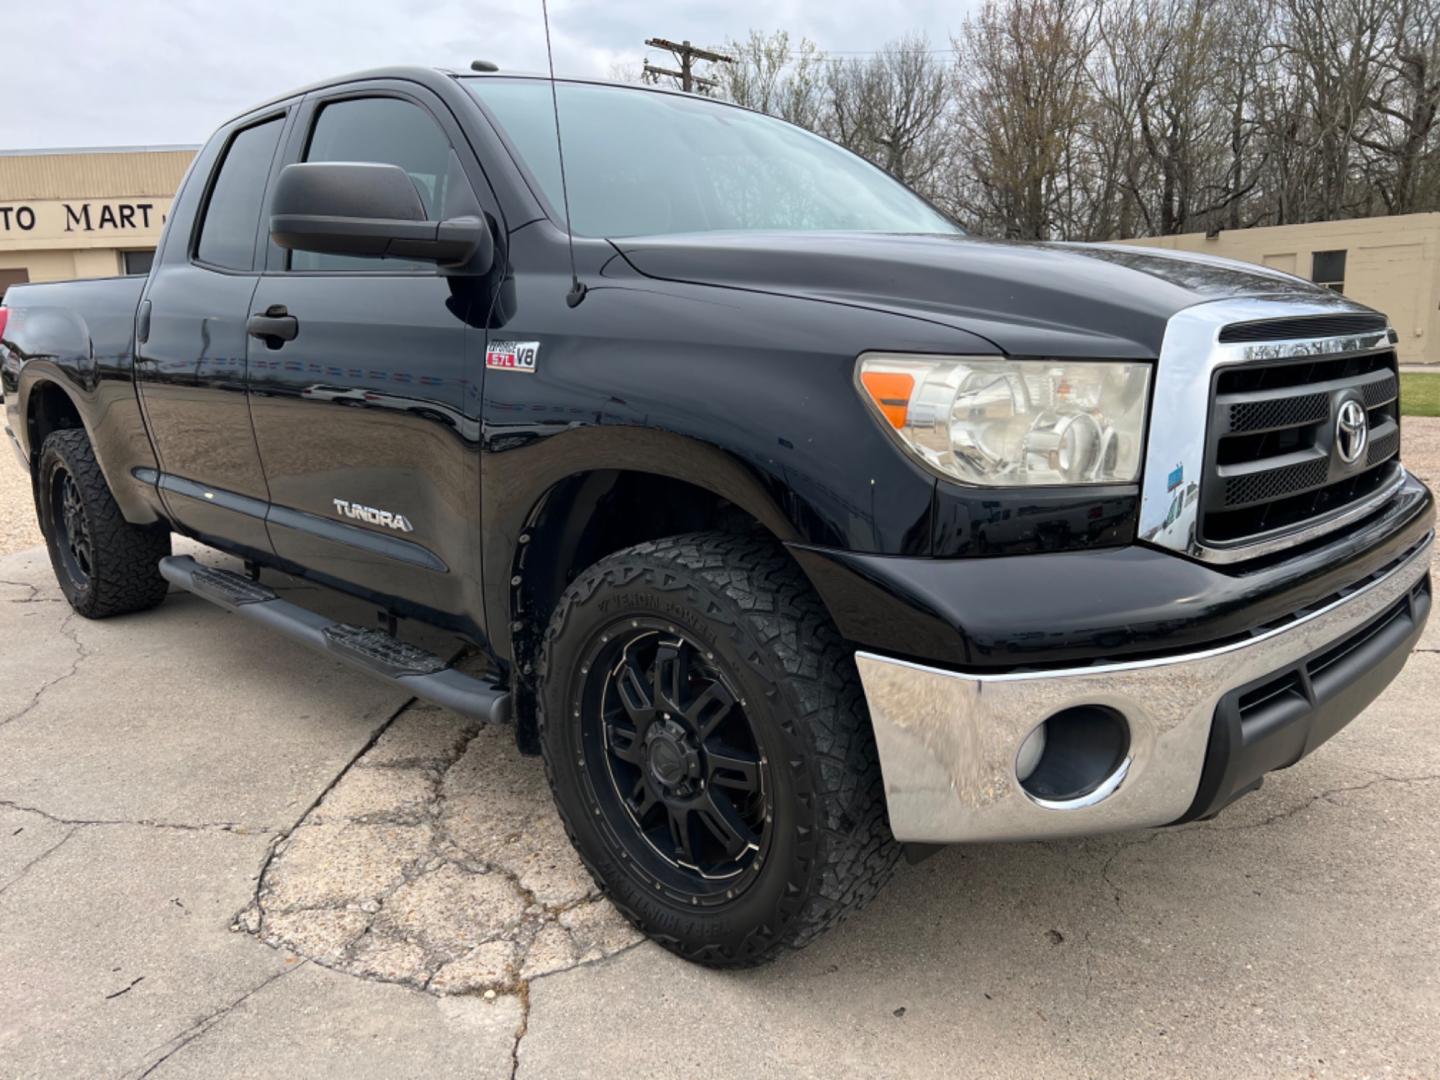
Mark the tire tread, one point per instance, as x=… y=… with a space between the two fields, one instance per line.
x=126 y=575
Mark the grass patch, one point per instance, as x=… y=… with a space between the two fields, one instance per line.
x=1419 y=394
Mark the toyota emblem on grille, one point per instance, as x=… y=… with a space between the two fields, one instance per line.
x=1352 y=431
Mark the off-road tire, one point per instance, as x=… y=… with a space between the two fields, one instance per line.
x=122 y=574
x=831 y=849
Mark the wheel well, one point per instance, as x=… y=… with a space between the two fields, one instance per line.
x=580 y=521
x=50 y=409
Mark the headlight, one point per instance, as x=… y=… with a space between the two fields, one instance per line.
x=1007 y=422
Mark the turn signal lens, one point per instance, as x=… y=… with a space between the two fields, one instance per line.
x=1003 y=423
x=890 y=391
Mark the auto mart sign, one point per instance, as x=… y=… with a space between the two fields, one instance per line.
x=57 y=223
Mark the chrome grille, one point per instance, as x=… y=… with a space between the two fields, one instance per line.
x=1234 y=390
x=1271 y=460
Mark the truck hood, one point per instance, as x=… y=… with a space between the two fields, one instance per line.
x=1029 y=299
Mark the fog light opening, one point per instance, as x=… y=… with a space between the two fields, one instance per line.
x=1074 y=754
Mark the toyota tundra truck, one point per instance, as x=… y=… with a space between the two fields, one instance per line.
x=793 y=527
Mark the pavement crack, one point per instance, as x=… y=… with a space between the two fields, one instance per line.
x=1128 y=845
x=144 y=823
x=523 y=993
x=1326 y=795
x=540 y=925
x=284 y=834
x=33 y=597
x=71 y=634
x=205 y=1023
x=37 y=860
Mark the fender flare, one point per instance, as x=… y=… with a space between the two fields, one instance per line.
x=509 y=510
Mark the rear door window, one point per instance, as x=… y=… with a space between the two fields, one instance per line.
x=232 y=215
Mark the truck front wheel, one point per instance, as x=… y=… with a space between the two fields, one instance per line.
x=104 y=564
x=707 y=743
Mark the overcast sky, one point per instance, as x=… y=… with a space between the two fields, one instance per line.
x=137 y=72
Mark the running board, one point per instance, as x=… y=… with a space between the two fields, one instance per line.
x=414 y=670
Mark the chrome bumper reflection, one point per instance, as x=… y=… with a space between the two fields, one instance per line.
x=948 y=741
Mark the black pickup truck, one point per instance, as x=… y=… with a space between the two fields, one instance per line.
x=796 y=526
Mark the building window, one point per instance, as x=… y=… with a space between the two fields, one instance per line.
x=138 y=262
x=1328 y=269
x=12 y=277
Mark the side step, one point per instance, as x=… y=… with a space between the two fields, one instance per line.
x=412 y=669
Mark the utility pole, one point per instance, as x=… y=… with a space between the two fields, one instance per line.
x=685 y=55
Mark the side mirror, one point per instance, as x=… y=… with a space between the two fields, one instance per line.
x=362 y=208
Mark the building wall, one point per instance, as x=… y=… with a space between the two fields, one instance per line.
x=1391 y=263
x=69 y=214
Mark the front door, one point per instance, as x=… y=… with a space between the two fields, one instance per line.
x=191 y=345
x=367 y=416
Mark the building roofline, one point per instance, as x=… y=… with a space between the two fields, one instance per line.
x=62 y=151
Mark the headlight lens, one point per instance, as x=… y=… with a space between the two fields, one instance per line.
x=1007 y=422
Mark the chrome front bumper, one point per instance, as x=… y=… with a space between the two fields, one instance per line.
x=948 y=741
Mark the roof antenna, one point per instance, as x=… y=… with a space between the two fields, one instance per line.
x=577 y=290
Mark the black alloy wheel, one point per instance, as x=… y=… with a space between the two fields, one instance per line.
x=72 y=537
x=673 y=760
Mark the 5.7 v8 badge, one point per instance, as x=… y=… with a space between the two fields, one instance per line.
x=513 y=356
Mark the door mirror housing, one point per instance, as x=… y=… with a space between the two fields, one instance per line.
x=369 y=209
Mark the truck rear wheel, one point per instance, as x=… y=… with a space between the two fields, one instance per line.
x=707 y=743
x=105 y=565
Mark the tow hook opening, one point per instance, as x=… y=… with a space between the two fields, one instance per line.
x=1075 y=758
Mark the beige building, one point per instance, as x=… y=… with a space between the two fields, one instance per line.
x=84 y=213
x=1389 y=263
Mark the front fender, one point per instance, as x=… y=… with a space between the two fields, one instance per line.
x=516 y=494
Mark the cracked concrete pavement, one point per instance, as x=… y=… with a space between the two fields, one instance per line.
x=222 y=856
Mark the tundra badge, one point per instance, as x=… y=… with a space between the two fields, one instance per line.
x=375 y=517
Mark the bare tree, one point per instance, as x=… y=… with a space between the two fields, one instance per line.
x=893 y=108
x=1333 y=48
x=1092 y=119
x=1175 y=78
x=1400 y=140
x=1024 y=101
x=773 y=76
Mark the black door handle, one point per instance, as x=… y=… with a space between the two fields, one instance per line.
x=274 y=326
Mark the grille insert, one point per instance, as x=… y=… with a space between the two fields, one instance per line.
x=1270 y=460
x=1251 y=378
x=1273 y=483
x=1379 y=393
x=1383 y=447
x=1279 y=412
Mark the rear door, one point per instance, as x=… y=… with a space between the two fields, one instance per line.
x=367 y=420
x=191 y=343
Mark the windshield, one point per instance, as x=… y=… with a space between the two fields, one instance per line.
x=642 y=163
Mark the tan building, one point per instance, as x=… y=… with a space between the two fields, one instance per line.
x=84 y=213
x=1390 y=263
